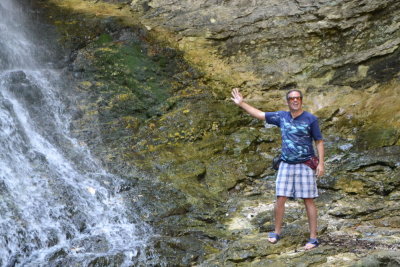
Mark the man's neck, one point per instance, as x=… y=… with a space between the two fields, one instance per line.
x=296 y=113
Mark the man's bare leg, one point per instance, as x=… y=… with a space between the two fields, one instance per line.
x=279 y=212
x=312 y=219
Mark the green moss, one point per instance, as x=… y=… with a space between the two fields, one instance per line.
x=103 y=38
x=145 y=83
x=375 y=136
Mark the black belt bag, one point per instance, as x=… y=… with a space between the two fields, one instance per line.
x=276 y=161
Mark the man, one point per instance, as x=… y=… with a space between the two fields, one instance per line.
x=294 y=179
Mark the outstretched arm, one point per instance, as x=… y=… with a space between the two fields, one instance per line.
x=238 y=99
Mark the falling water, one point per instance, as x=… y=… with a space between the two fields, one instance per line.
x=57 y=206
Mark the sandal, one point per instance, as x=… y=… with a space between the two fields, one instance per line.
x=274 y=235
x=312 y=243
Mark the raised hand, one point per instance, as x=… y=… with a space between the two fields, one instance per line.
x=236 y=96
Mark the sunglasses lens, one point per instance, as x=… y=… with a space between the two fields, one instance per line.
x=292 y=98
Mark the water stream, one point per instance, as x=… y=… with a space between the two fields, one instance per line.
x=58 y=207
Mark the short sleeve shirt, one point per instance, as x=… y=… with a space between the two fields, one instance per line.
x=297 y=134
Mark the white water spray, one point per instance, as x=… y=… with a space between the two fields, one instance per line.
x=55 y=201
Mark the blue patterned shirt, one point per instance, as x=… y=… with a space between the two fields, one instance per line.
x=297 y=134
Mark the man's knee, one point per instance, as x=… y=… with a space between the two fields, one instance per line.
x=309 y=202
x=281 y=200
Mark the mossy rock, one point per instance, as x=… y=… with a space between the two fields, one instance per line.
x=223 y=173
x=379 y=258
x=374 y=137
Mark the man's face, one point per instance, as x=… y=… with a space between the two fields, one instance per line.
x=294 y=101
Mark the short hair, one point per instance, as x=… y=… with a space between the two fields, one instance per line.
x=293 y=90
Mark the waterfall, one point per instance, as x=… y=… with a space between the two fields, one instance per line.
x=58 y=207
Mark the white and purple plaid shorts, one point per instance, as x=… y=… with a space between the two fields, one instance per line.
x=296 y=180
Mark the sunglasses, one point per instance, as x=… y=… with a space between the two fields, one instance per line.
x=292 y=98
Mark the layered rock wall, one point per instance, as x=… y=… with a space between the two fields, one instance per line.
x=286 y=43
x=154 y=80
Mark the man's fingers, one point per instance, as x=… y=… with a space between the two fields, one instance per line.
x=319 y=172
x=235 y=93
x=236 y=96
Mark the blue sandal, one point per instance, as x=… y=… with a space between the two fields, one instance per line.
x=274 y=235
x=314 y=242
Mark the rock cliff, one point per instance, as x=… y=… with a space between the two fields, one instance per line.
x=153 y=80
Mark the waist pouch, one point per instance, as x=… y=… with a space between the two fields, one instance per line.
x=312 y=162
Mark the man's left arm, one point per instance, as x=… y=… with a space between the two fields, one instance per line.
x=321 y=154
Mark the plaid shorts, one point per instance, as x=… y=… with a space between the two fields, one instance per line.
x=296 y=180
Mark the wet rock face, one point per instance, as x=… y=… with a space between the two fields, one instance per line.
x=160 y=118
x=343 y=55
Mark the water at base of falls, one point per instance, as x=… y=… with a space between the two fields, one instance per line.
x=58 y=207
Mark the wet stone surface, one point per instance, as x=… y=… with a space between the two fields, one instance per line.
x=198 y=168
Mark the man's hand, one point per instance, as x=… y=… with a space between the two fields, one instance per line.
x=320 y=169
x=238 y=99
x=237 y=96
